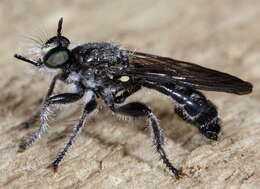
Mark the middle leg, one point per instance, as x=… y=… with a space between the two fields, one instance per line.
x=89 y=108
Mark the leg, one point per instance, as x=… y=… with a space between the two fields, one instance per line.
x=121 y=98
x=89 y=108
x=137 y=109
x=31 y=121
x=58 y=99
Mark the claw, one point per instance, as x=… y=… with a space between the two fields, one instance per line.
x=22 y=148
x=180 y=174
x=54 y=167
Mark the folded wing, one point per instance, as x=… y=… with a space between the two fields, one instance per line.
x=147 y=67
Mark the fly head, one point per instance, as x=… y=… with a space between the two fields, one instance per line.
x=54 y=53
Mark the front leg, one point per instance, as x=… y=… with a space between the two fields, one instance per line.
x=32 y=120
x=58 y=99
x=137 y=109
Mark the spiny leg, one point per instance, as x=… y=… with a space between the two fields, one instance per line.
x=137 y=109
x=58 y=99
x=32 y=120
x=89 y=108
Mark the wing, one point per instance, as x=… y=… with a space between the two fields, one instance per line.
x=154 y=68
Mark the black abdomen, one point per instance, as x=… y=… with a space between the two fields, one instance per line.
x=199 y=111
x=192 y=106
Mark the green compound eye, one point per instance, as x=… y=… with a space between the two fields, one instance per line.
x=56 y=58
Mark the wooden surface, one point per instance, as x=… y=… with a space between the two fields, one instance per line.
x=113 y=153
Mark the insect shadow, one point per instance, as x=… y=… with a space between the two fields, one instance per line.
x=106 y=71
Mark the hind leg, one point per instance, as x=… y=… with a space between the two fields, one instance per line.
x=137 y=109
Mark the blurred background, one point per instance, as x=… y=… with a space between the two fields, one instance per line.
x=222 y=35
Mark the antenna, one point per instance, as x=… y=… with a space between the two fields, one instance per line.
x=59 y=30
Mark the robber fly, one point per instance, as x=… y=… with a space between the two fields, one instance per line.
x=104 y=70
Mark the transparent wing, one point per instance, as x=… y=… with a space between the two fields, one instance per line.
x=166 y=70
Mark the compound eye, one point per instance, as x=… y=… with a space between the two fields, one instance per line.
x=56 y=58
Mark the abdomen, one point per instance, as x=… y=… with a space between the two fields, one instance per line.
x=192 y=106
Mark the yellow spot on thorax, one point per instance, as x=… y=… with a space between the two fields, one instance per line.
x=124 y=78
